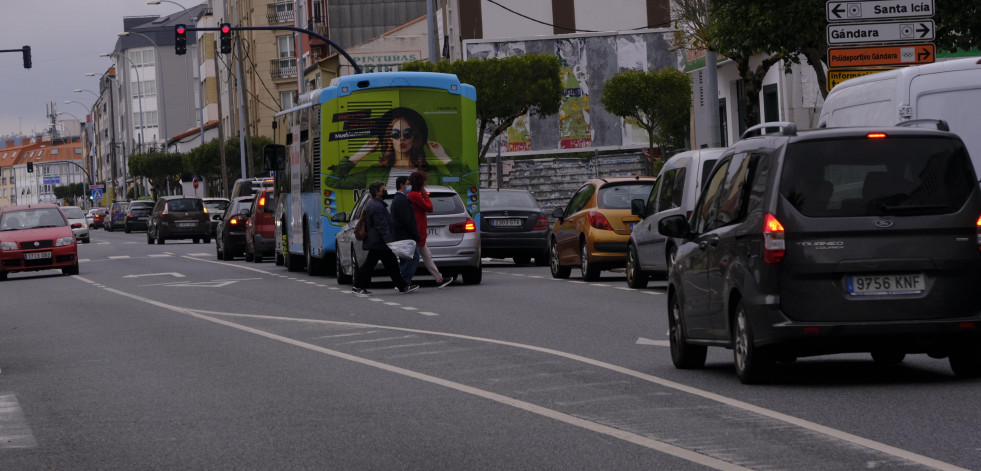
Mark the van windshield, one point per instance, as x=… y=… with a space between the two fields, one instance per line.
x=906 y=175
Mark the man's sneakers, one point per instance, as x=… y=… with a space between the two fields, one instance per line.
x=445 y=282
x=361 y=292
x=408 y=289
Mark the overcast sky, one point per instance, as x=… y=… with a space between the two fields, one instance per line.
x=66 y=38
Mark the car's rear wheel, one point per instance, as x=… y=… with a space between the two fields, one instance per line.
x=249 y=256
x=226 y=254
x=684 y=355
x=256 y=255
x=966 y=362
x=473 y=276
x=558 y=271
x=160 y=238
x=753 y=364
x=206 y=240
x=636 y=278
x=590 y=272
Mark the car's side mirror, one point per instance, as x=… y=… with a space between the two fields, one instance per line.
x=557 y=213
x=339 y=217
x=674 y=226
x=638 y=208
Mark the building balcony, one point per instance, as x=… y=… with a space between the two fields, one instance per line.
x=279 y=12
x=283 y=68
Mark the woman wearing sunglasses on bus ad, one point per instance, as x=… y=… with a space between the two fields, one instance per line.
x=402 y=144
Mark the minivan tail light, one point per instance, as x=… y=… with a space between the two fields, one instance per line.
x=465 y=226
x=774 y=245
x=542 y=223
x=979 y=233
x=598 y=220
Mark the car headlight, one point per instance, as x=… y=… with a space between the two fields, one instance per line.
x=63 y=241
x=8 y=245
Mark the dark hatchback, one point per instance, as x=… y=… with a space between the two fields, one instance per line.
x=513 y=225
x=136 y=217
x=178 y=217
x=850 y=240
x=230 y=240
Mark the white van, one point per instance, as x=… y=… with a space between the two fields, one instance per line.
x=948 y=90
x=678 y=185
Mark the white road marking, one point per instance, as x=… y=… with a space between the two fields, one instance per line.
x=118 y=257
x=160 y=255
x=427 y=313
x=659 y=343
x=14 y=430
x=545 y=412
x=173 y=274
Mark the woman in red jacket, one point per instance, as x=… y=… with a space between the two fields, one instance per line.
x=421 y=206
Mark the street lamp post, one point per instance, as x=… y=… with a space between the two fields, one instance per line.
x=161 y=117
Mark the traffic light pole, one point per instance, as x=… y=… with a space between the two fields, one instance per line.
x=357 y=68
x=26 y=50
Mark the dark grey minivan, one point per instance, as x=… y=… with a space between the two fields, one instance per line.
x=831 y=241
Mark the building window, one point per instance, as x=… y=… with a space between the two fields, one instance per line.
x=148 y=87
x=286 y=46
x=288 y=99
x=141 y=57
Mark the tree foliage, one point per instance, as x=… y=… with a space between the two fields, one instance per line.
x=205 y=161
x=658 y=101
x=507 y=89
x=958 y=25
x=70 y=192
x=157 y=167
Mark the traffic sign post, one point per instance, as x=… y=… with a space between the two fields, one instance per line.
x=879 y=9
x=878 y=56
x=861 y=33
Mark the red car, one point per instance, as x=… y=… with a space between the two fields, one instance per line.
x=36 y=237
x=260 y=230
x=97 y=217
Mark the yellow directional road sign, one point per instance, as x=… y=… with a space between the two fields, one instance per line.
x=890 y=55
x=836 y=76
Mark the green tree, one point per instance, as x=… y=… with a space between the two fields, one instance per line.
x=507 y=89
x=205 y=161
x=157 y=167
x=70 y=192
x=658 y=101
x=958 y=25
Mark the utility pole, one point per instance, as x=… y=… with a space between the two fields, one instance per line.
x=245 y=139
x=225 y=189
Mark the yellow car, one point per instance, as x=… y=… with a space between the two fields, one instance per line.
x=592 y=231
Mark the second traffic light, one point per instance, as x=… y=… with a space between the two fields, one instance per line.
x=226 y=38
x=30 y=167
x=180 y=40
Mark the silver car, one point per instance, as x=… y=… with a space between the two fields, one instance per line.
x=78 y=222
x=452 y=238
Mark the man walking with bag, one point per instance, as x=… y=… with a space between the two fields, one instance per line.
x=378 y=221
x=404 y=227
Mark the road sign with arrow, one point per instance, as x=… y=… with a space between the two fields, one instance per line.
x=861 y=33
x=891 y=55
x=879 y=10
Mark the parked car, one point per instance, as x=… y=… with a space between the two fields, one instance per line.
x=649 y=254
x=216 y=210
x=36 y=237
x=513 y=225
x=136 y=217
x=78 y=222
x=261 y=227
x=96 y=217
x=116 y=217
x=831 y=241
x=591 y=232
x=230 y=240
x=178 y=217
x=452 y=238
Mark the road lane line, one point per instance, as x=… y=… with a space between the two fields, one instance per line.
x=611 y=431
x=14 y=430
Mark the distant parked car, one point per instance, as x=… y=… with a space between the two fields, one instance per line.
x=230 y=240
x=116 y=216
x=96 y=217
x=649 y=254
x=178 y=217
x=36 y=237
x=592 y=231
x=452 y=238
x=216 y=210
x=77 y=221
x=513 y=225
x=261 y=227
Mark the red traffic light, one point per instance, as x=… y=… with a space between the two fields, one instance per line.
x=226 y=28
x=181 y=29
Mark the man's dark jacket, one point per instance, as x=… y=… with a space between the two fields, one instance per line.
x=404 y=218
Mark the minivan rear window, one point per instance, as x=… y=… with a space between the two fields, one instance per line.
x=185 y=205
x=904 y=175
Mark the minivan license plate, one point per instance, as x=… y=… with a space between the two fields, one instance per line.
x=872 y=285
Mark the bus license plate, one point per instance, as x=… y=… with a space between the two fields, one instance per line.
x=879 y=285
x=37 y=255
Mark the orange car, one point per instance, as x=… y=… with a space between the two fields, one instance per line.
x=592 y=231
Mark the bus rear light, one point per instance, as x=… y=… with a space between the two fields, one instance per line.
x=774 y=246
x=598 y=221
x=462 y=227
x=540 y=224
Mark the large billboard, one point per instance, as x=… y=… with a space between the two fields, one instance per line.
x=588 y=61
